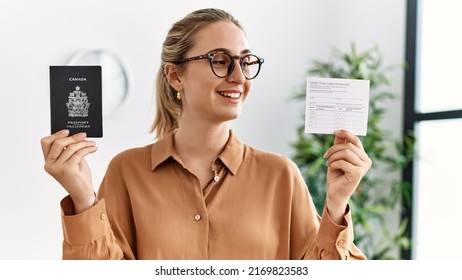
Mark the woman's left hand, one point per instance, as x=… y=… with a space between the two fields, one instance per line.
x=347 y=163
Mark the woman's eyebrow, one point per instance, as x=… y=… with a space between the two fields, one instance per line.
x=246 y=51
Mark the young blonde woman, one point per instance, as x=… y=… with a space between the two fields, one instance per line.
x=198 y=192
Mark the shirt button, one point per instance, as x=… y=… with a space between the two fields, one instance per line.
x=341 y=242
x=197 y=217
x=102 y=216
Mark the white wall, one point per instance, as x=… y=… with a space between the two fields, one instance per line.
x=35 y=34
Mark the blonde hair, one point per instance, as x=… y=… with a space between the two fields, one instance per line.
x=179 y=40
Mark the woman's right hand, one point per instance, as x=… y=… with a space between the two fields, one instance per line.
x=64 y=160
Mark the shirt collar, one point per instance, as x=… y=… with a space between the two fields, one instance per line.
x=231 y=156
x=162 y=150
x=233 y=153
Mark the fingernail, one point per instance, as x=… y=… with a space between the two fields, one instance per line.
x=325 y=155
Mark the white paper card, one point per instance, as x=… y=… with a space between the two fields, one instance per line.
x=334 y=104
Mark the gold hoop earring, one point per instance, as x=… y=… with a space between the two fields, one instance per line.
x=178 y=95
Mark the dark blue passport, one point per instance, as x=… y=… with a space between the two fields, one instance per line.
x=76 y=99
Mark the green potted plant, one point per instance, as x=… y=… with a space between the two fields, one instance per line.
x=378 y=196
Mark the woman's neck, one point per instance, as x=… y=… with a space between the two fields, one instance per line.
x=196 y=141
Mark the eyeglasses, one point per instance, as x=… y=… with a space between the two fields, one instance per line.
x=222 y=63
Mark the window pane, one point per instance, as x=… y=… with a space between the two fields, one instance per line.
x=440 y=58
x=438 y=190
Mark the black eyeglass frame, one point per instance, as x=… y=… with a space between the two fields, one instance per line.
x=241 y=58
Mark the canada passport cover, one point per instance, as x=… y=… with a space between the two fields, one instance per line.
x=76 y=99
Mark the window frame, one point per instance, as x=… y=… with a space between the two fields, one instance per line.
x=412 y=117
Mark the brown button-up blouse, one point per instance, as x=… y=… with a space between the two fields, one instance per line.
x=150 y=206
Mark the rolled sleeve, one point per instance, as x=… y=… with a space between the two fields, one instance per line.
x=85 y=227
x=337 y=240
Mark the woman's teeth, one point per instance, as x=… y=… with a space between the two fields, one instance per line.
x=230 y=94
